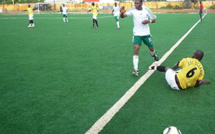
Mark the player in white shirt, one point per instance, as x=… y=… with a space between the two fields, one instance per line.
x=141 y=31
x=116 y=11
x=65 y=13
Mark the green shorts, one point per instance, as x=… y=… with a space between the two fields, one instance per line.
x=147 y=40
x=64 y=15
x=116 y=18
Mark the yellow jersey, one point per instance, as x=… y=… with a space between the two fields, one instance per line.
x=30 y=11
x=94 y=10
x=192 y=70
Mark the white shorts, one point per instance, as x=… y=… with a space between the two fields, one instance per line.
x=170 y=78
x=95 y=17
x=31 y=17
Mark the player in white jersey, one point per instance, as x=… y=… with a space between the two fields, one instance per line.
x=65 y=13
x=141 y=31
x=116 y=11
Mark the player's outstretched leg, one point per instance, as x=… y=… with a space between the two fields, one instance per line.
x=158 y=68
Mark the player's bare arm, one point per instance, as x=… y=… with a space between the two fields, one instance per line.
x=204 y=81
x=148 y=21
x=122 y=12
x=175 y=66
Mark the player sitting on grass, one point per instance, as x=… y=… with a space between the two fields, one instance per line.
x=191 y=74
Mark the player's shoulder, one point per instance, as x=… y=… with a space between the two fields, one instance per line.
x=132 y=9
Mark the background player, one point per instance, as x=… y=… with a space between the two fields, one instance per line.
x=65 y=13
x=61 y=10
x=200 y=10
x=31 y=15
x=116 y=11
x=141 y=30
x=191 y=74
x=94 y=9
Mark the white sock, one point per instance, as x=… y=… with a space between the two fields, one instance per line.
x=152 y=53
x=117 y=23
x=135 y=61
x=63 y=19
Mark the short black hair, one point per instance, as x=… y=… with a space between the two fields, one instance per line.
x=199 y=54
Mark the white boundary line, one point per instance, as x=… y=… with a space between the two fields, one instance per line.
x=101 y=122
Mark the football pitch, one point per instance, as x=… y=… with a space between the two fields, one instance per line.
x=60 y=78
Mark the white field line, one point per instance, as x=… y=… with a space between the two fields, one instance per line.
x=101 y=122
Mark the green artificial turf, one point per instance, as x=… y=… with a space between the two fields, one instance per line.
x=61 y=77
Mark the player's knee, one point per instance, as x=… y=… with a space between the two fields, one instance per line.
x=136 y=50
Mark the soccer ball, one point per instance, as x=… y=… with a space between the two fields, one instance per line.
x=172 y=130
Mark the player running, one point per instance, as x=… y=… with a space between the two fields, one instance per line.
x=141 y=30
x=116 y=11
x=191 y=74
x=94 y=9
x=65 y=13
x=31 y=15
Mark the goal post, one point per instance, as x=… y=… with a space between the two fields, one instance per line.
x=44 y=6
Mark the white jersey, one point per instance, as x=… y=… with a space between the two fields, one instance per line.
x=139 y=16
x=64 y=10
x=116 y=10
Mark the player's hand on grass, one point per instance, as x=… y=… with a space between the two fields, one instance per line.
x=204 y=81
